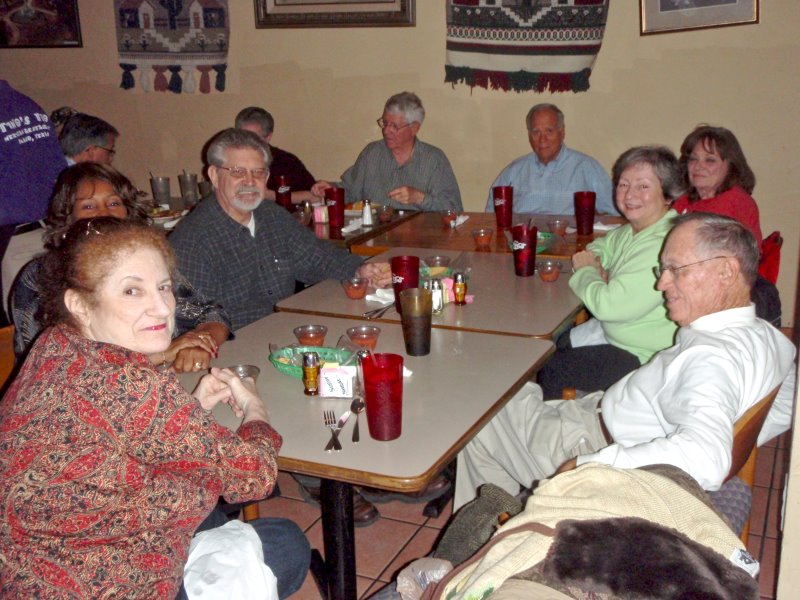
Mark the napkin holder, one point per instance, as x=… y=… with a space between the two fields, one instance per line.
x=336 y=381
x=320 y=214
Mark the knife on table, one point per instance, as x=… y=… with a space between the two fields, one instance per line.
x=335 y=432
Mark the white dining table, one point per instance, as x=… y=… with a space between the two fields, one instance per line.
x=503 y=302
x=446 y=400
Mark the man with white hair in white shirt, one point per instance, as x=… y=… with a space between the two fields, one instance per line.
x=680 y=407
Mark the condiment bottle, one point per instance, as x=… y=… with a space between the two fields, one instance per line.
x=437 y=296
x=460 y=289
x=283 y=195
x=311 y=373
x=366 y=214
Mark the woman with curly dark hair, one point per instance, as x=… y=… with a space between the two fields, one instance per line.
x=88 y=190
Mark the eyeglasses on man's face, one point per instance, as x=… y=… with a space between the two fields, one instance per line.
x=387 y=126
x=241 y=172
x=111 y=151
x=661 y=269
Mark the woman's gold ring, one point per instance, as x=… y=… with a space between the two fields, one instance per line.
x=198 y=364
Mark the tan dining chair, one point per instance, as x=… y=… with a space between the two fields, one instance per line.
x=743 y=462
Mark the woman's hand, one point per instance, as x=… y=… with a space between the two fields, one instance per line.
x=378 y=273
x=193 y=350
x=190 y=352
x=222 y=385
x=585 y=258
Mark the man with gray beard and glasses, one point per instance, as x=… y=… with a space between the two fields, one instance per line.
x=247 y=253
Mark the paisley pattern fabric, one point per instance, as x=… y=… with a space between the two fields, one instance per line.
x=107 y=466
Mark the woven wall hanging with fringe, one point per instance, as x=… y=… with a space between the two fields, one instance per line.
x=524 y=45
x=173 y=45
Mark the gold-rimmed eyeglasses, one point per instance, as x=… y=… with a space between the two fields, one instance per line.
x=241 y=172
x=384 y=124
x=660 y=270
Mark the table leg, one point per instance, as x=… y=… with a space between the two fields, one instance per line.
x=336 y=499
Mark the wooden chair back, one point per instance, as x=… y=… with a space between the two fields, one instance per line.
x=6 y=354
x=745 y=436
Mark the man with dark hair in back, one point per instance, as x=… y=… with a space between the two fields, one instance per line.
x=260 y=122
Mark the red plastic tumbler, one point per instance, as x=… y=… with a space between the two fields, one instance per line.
x=334 y=198
x=503 y=204
x=383 y=394
x=524 y=247
x=584 y=212
x=405 y=274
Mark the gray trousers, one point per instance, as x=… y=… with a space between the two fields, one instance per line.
x=527 y=441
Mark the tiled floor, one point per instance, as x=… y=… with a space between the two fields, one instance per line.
x=764 y=541
x=382 y=549
x=403 y=534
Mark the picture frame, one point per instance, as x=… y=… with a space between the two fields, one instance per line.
x=26 y=24
x=334 y=13
x=667 y=16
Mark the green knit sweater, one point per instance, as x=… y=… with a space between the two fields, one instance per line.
x=629 y=307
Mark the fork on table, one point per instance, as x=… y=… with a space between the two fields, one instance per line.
x=329 y=418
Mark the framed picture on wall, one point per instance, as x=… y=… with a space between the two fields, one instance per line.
x=32 y=24
x=664 y=16
x=334 y=13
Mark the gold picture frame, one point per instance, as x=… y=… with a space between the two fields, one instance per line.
x=334 y=13
x=667 y=16
x=40 y=25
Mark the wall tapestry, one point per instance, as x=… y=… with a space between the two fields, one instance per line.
x=179 y=38
x=524 y=45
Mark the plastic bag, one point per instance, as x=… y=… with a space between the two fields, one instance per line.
x=417 y=576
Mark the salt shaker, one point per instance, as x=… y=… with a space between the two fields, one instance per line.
x=437 y=296
x=360 y=356
x=311 y=373
x=366 y=214
x=460 y=289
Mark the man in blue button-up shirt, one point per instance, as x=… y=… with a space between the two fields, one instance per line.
x=545 y=180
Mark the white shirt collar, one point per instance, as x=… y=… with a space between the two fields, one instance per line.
x=723 y=319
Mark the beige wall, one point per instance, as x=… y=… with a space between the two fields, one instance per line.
x=327 y=87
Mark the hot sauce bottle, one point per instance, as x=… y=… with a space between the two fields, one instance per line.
x=311 y=373
x=460 y=289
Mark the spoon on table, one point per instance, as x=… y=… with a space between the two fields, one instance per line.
x=357 y=407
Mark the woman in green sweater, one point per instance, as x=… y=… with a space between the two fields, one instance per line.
x=614 y=279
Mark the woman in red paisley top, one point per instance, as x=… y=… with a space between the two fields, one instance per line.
x=107 y=465
x=720 y=181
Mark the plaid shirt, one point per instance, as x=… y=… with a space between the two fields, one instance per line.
x=249 y=275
